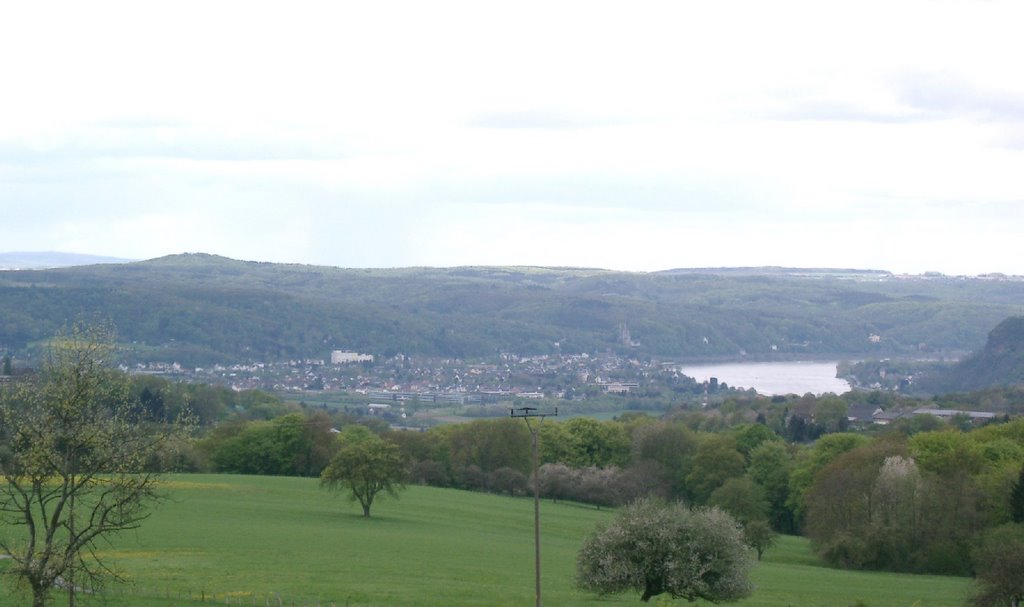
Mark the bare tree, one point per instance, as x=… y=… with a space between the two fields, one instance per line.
x=73 y=456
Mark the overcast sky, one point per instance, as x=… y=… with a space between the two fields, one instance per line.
x=624 y=135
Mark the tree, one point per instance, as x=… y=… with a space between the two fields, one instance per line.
x=830 y=413
x=745 y=500
x=770 y=465
x=876 y=508
x=555 y=444
x=716 y=461
x=557 y=481
x=1017 y=499
x=750 y=436
x=291 y=445
x=999 y=560
x=74 y=449
x=759 y=535
x=742 y=498
x=864 y=509
x=364 y=466
x=810 y=462
x=597 y=486
x=7 y=370
x=507 y=480
x=594 y=443
x=490 y=444
x=654 y=548
x=671 y=446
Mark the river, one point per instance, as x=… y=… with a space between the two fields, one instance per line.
x=774 y=377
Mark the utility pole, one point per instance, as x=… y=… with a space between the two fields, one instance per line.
x=526 y=413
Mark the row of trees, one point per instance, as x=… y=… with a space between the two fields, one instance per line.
x=897 y=502
x=916 y=504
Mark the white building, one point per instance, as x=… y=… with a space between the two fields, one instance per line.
x=340 y=357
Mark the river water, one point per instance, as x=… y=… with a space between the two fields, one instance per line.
x=774 y=377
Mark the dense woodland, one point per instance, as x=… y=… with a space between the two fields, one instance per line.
x=202 y=309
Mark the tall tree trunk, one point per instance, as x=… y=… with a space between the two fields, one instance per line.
x=38 y=596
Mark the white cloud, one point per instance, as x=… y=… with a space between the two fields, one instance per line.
x=639 y=136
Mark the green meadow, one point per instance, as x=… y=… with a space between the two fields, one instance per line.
x=247 y=540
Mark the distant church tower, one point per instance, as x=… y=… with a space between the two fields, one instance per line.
x=625 y=338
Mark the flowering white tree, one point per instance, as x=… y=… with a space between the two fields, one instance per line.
x=896 y=495
x=655 y=548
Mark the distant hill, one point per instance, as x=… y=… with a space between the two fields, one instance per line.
x=781 y=271
x=51 y=259
x=1000 y=363
x=202 y=309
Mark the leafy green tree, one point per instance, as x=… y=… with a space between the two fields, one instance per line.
x=770 y=466
x=830 y=413
x=999 y=561
x=952 y=461
x=555 y=444
x=875 y=508
x=256 y=449
x=746 y=500
x=291 y=445
x=759 y=535
x=742 y=498
x=653 y=548
x=74 y=451
x=365 y=466
x=671 y=446
x=810 y=461
x=752 y=436
x=995 y=485
x=595 y=443
x=715 y=462
x=7 y=370
x=946 y=452
x=1017 y=499
x=490 y=444
x=849 y=522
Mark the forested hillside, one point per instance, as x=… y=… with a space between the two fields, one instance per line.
x=999 y=363
x=199 y=309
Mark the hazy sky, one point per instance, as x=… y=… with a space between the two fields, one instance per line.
x=625 y=135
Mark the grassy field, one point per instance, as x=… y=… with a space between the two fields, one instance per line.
x=249 y=540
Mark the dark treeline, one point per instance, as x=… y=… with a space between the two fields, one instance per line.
x=205 y=404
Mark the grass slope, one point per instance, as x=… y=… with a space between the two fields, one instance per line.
x=246 y=540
